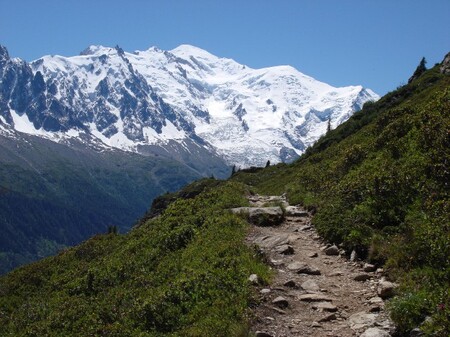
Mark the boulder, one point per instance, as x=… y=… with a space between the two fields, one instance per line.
x=416 y=332
x=385 y=289
x=314 y=298
x=294 y=266
x=285 y=249
x=375 y=332
x=362 y=320
x=333 y=250
x=375 y=308
x=361 y=277
x=290 y=284
x=281 y=302
x=263 y=334
x=253 y=279
x=309 y=270
x=310 y=285
x=271 y=241
x=325 y=306
x=327 y=318
x=375 y=300
x=295 y=211
x=368 y=268
x=353 y=256
x=303 y=268
x=261 y=216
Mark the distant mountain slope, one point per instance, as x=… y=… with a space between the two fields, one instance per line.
x=54 y=195
x=185 y=96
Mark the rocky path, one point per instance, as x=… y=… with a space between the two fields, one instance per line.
x=316 y=291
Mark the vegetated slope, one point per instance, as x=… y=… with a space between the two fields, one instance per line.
x=379 y=185
x=54 y=195
x=183 y=273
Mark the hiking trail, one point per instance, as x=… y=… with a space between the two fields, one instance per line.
x=316 y=290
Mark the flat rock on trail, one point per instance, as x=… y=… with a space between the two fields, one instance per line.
x=313 y=293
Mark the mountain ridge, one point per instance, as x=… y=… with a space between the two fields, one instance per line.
x=127 y=100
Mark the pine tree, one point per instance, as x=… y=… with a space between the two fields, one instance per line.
x=421 y=68
x=233 y=170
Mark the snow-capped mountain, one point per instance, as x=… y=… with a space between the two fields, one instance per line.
x=185 y=99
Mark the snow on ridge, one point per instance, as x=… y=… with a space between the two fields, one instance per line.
x=237 y=109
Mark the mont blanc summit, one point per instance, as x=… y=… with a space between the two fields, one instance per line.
x=185 y=99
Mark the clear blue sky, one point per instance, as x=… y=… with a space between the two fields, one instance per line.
x=376 y=43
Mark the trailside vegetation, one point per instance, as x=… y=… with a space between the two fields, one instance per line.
x=183 y=273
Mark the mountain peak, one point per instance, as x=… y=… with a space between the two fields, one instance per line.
x=184 y=50
x=96 y=50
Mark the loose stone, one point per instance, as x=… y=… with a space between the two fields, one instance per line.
x=375 y=308
x=253 y=278
x=310 y=285
x=294 y=266
x=314 y=298
x=262 y=334
x=368 y=268
x=375 y=332
x=325 y=306
x=333 y=250
x=281 y=302
x=361 y=277
x=361 y=320
x=285 y=250
x=353 y=256
x=309 y=270
x=290 y=284
x=385 y=289
x=330 y=317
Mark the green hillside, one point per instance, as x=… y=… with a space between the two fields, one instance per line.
x=378 y=184
x=182 y=274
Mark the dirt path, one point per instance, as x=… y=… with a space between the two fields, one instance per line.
x=316 y=291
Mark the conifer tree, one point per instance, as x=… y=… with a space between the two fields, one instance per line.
x=421 y=68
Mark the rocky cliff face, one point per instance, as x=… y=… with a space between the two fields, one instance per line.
x=445 y=65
